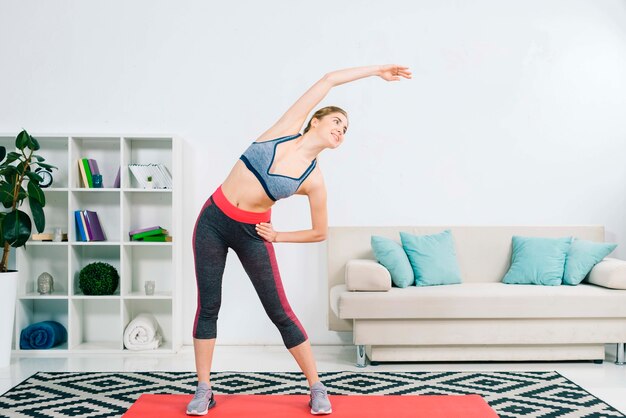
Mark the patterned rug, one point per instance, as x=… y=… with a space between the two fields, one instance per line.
x=100 y=395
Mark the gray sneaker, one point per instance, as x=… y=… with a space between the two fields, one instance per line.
x=202 y=400
x=320 y=405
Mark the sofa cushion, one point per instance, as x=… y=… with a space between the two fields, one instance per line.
x=432 y=258
x=367 y=275
x=581 y=257
x=485 y=300
x=391 y=255
x=537 y=260
x=610 y=273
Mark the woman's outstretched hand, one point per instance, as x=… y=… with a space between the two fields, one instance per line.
x=392 y=72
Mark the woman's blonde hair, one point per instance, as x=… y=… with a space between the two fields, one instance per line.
x=325 y=111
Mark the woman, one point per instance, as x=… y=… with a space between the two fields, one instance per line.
x=280 y=163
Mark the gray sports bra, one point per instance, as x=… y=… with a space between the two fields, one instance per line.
x=259 y=158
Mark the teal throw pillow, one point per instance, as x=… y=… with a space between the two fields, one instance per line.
x=432 y=258
x=537 y=261
x=391 y=255
x=581 y=258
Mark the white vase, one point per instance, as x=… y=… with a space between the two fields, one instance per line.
x=8 y=294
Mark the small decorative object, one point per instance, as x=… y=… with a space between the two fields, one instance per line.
x=46 y=176
x=58 y=235
x=149 y=287
x=45 y=283
x=149 y=183
x=97 y=180
x=98 y=278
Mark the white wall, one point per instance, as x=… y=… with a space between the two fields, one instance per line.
x=515 y=114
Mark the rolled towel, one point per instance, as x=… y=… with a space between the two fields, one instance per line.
x=142 y=333
x=42 y=335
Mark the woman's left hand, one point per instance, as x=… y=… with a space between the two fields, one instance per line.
x=393 y=72
x=266 y=231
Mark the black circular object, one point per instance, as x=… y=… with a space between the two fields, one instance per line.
x=46 y=175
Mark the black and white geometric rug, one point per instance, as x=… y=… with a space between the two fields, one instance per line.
x=100 y=395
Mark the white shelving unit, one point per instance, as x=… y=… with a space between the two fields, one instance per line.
x=96 y=324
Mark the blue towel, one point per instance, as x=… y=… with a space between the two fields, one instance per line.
x=42 y=335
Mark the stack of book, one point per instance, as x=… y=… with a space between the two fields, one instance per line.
x=88 y=226
x=87 y=167
x=161 y=177
x=150 y=234
x=45 y=236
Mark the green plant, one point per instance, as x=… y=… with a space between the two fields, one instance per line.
x=149 y=178
x=15 y=225
x=98 y=278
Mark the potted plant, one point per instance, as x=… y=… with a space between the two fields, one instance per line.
x=15 y=224
x=149 y=183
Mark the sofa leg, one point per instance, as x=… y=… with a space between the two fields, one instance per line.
x=360 y=356
x=620 y=354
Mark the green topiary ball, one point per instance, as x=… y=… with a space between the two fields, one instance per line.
x=98 y=279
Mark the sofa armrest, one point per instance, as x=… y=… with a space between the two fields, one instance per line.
x=335 y=293
x=367 y=275
x=610 y=273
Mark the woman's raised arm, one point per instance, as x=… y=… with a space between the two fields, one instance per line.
x=292 y=121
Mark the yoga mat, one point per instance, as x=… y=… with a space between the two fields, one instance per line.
x=293 y=406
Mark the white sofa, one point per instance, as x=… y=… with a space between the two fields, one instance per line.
x=480 y=319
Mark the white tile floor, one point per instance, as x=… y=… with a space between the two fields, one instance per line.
x=607 y=381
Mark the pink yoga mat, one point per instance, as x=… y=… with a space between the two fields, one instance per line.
x=293 y=406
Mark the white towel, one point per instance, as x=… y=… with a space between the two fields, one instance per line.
x=142 y=333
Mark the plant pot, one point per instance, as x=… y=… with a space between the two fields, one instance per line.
x=8 y=294
x=149 y=185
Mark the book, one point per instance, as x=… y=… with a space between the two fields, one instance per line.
x=134 y=169
x=158 y=238
x=93 y=166
x=87 y=172
x=116 y=183
x=140 y=235
x=80 y=231
x=137 y=231
x=46 y=237
x=94 y=226
x=163 y=174
x=169 y=176
x=81 y=174
x=160 y=175
x=166 y=176
x=87 y=226
x=84 y=224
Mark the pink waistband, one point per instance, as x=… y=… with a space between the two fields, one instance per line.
x=237 y=214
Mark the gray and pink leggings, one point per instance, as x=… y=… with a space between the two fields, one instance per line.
x=220 y=226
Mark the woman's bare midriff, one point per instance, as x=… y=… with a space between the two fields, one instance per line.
x=244 y=191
